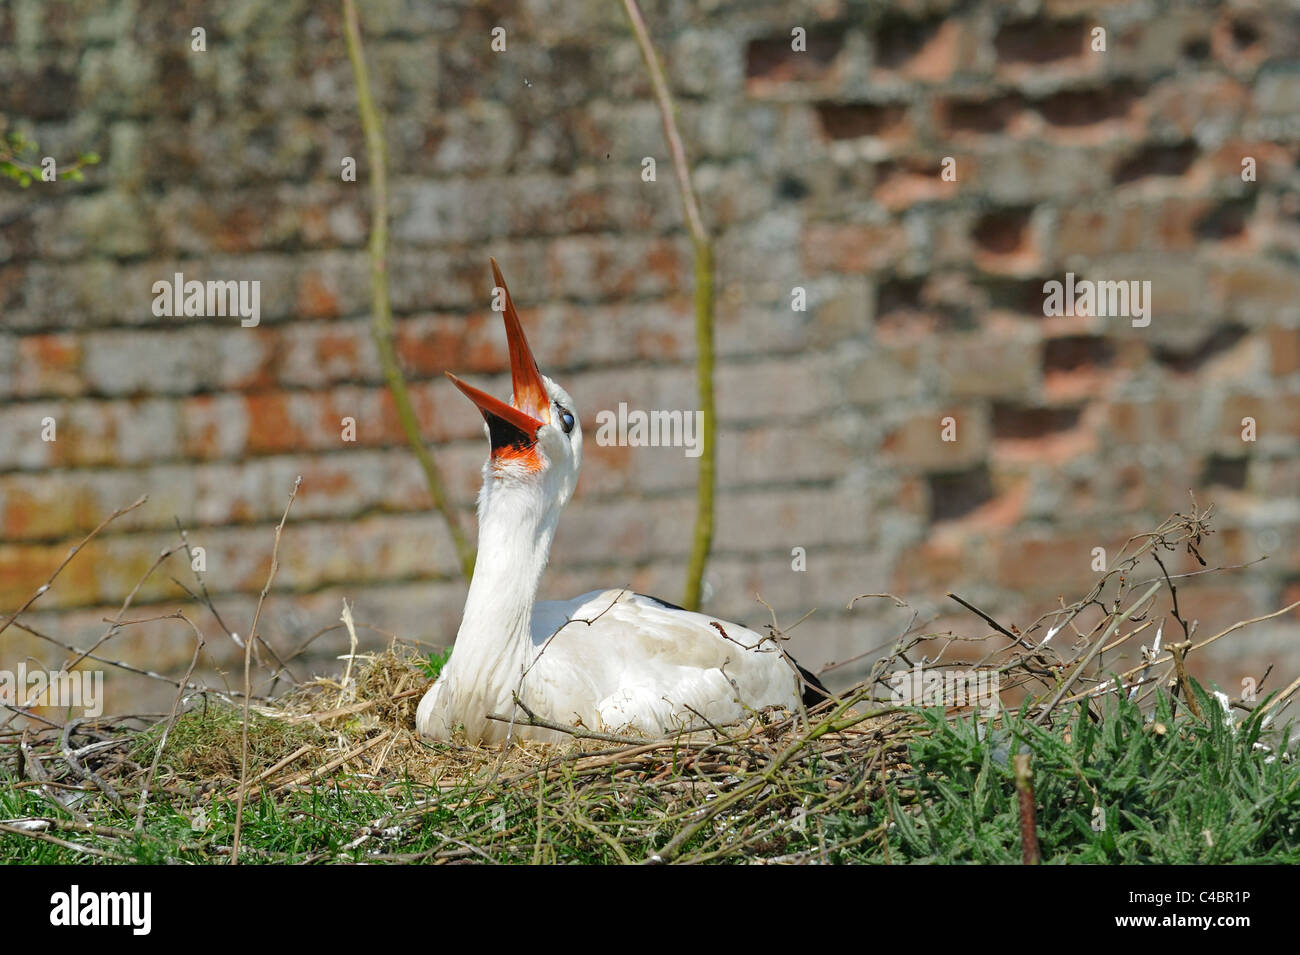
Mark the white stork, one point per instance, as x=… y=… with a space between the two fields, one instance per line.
x=609 y=660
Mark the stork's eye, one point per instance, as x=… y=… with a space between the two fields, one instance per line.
x=566 y=419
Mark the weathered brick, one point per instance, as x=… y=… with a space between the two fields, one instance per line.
x=917 y=442
x=1005 y=243
x=773 y=68
x=1001 y=364
x=1090 y=115
x=879 y=375
x=876 y=124
x=852 y=248
x=975 y=117
x=791 y=518
x=1179 y=287
x=587 y=267
x=931 y=566
x=1062 y=561
x=1255 y=288
x=1020 y=172
x=809 y=451
x=1284 y=350
x=113 y=433
x=1044 y=50
x=1076 y=367
x=707 y=63
x=1198 y=104
x=1157 y=50
x=1276 y=90
x=1277 y=419
x=775 y=389
x=48 y=365
x=911 y=180
x=929 y=50
x=1044 y=434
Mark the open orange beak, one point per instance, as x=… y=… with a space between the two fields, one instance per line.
x=512 y=428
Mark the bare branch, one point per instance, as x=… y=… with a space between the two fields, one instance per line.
x=702 y=540
x=381 y=309
x=248 y=651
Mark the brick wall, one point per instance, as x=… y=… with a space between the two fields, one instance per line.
x=817 y=169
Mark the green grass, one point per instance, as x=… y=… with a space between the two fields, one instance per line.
x=1122 y=790
x=1119 y=788
x=432 y=664
x=207 y=741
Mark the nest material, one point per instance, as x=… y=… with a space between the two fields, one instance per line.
x=716 y=785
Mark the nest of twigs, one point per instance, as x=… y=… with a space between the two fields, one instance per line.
x=719 y=787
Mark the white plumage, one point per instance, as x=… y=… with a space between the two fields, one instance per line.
x=614 y=660
x=609 y=660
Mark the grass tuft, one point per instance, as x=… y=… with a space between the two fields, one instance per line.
x=204 y=744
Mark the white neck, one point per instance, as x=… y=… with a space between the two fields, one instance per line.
x=516 y=525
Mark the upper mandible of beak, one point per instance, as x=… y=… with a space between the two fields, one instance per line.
x=529 y=390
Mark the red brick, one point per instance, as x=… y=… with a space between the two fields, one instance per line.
x=1273 y=161
x=907 y=183
x=1043 y=435
x=587 y=268
x=1061 y=561
x=1174 y=223
x=1277 y=418
x=48 y=365
x=882 y=122
x=930 y=567
x=1004 y=243
x=317 y=296
x=41 y=508
x=1291 y=595
x=1255 y=287
x=971 y=117
x=1284 y=350
x=917 y=442
x=25 y=568
x=807 y=451
x=1147 y=422
x=792 y=517
x=270 y=424
x=771 y=64
x=1095 y=231
x=1091 y=115
x=1034 y=48
x=929 y=52
x=991 y=363
x=852 y=248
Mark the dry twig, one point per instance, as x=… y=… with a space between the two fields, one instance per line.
x=248 y=649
